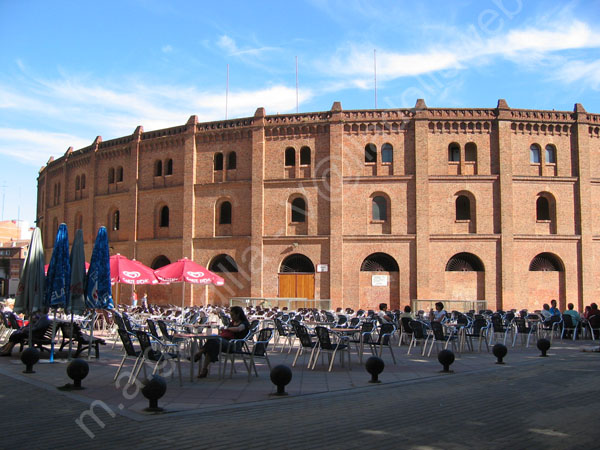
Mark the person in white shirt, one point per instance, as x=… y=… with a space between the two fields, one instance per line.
x=385 y=316
x=439 y=314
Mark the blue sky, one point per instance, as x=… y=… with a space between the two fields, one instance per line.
x=72 y=70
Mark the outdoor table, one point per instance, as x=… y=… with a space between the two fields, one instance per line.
x=194 y=337
x=349 y=332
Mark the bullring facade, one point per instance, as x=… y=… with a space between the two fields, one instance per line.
x=361 y=206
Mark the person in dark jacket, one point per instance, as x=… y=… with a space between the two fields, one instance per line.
x=41 y=323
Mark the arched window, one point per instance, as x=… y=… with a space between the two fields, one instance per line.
x=164 y=216
x=463 y=208
x=160 y=261
x=298 y=210
x=471 y=152
x=370 y=153
x=387 y=153
x=55 y=198
x=534 y=154
x=83 y=181
x=225 y=213
x=169 y=168
x=379 y=208
x=158 y=168
x=223 y=263
x=305 y=156
x=464 y=262
x=116 y=218
x=231 y=161
x=111 y=175
x=218 y=161
x=58 y=192
x=297 y=263
x=379 y=262
x=454 y=152
x=77 y=183
x=546 y=262
x=542 y=208
x=119 y=174
x=550 y=154
x=290 y=157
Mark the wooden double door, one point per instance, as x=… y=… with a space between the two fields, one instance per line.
x=297 y=285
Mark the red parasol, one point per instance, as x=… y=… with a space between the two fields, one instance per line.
x=186 y=270
x=128 y=271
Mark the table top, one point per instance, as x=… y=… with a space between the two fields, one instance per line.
x=195 y=336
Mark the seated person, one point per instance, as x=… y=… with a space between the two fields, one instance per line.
x=41 y=323
x=407 y=313
x=237 y=329
x=439 y=314
x=593 y=311
x=574 y=314
x=545 y=312
x=553 y=309
x=383 y=313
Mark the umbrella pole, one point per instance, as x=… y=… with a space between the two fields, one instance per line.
x=53 y=335
x=91 y=335
x=30 y=325
x=182 y=300
x=71 y=339
x=206 y=296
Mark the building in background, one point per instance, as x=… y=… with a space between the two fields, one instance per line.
x=14 y=243
x=487 y=207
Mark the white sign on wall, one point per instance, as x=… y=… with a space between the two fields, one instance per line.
x=322 y=268
x=379 y=280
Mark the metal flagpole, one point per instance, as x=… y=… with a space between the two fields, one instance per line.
x=296 y=85
x=375 y=74
x=227 y=92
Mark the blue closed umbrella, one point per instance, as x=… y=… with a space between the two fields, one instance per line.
x=98 y=293
x=58 y=279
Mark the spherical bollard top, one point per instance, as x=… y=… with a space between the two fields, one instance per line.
x=154 y=388
x=499 y=351
x=446 y=358
x=374 y=366
x=29 y=357
x=543 y=345
x=281 y=376
x=77 y=370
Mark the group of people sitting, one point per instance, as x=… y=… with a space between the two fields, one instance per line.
x=551 y=312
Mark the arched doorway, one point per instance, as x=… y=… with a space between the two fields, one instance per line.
x=379 y=282
x=297 y=277
x=465 y=278
x=546 y=281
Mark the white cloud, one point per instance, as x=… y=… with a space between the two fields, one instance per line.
x=582 y=72
x=114 y=110
x=229 y=45
x=36 y=147
x=466 y=49
x=166 y=49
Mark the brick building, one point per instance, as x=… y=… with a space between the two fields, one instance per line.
x=360 y=206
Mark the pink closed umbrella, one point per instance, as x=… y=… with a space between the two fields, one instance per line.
x=187 y=271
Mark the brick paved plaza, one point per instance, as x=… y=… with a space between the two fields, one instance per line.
x=530 y=402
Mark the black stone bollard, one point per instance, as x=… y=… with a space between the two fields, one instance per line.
x=543 y=345
x=154 y=388
x=281 y=375
x=499 y=352
x=374 y=366
x=77 y=370
x=29 y=357
x=446 y=358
